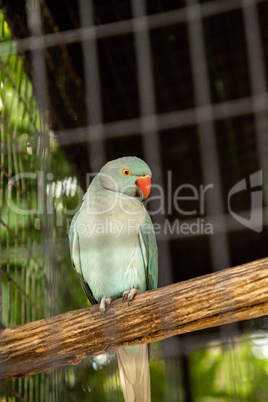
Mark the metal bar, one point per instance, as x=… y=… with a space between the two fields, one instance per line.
x=149 y=128
x=258 y=85
x=91 y=72
x=218 y=242
x=122 y=27
x=37 y=54
x=176 y=119
x=209 y=159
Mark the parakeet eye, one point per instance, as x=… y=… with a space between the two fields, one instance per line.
x=125 y=172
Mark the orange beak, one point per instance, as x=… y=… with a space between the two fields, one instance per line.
x=144 y=183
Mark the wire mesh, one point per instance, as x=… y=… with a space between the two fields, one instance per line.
x=25 y=274
x=183 y=85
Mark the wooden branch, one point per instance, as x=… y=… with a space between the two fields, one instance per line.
x=227 y=296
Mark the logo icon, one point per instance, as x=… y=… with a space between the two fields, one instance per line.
x=255 y=221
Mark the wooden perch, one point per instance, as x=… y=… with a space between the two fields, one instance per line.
x=223 y=297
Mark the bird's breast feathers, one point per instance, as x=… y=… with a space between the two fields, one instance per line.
x=110 y=251
x=106 y=219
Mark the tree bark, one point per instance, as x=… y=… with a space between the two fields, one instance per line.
x=234 y=294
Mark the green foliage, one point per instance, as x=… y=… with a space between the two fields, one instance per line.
x=93 y=380
x=231 y=372
x=158 y=380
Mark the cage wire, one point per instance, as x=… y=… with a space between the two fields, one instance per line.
x=26 y=273
x=184 y=86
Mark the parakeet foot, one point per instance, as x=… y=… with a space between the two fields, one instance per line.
x=130 y=294
x=105 y=301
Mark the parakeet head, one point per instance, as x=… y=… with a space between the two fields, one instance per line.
x=128 y=175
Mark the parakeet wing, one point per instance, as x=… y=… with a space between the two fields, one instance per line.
x=149 y=252
x=75 y=255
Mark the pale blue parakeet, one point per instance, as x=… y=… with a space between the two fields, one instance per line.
x=114 y=251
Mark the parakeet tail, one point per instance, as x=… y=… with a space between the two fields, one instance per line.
x=134 y=373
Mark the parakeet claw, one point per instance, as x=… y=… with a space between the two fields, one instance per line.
x=105 y=301
x=130 y=294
